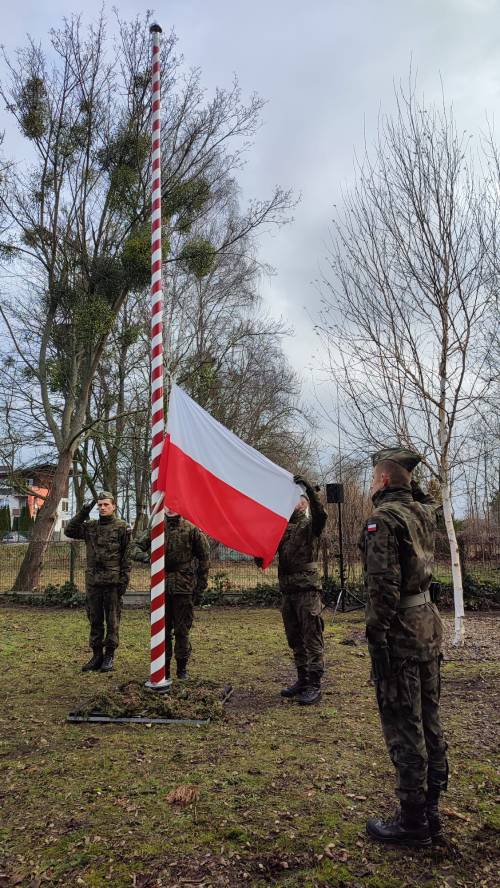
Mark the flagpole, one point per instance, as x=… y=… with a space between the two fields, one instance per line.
x=157 y=679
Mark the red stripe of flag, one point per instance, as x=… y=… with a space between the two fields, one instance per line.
x=223 y=512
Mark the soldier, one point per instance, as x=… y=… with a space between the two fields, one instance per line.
x=404 y=633
x=106 y=576
x=301 y=594
x=184 y=587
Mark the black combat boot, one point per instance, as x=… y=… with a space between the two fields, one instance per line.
x=432 y=807
x=409 y=828
x=95 y=662
x=107 y=663
x=299 y=685
x=312 y=691
x=182 y=668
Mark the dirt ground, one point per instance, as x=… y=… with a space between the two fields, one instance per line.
x=279 y=794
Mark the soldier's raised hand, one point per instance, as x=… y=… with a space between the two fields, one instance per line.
x=299 y=479
x=88 y=506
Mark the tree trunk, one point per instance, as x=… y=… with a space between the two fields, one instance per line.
x=140 y=522
x=458 y=592
x=30 y=571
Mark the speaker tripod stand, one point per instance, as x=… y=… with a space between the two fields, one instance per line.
x=342 y=597
x=335 y=494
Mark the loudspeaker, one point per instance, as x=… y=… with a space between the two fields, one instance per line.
x=335 y=493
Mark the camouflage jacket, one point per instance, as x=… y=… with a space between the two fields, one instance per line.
x=397 y=544
x=298 y=550
x=107 y=542
x=183 y=543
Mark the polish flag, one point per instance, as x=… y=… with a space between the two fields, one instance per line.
x=216 y=481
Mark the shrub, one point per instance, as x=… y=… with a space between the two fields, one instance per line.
x=66 y=595
x=262 y=595
x=478 y=595
x=223 y=592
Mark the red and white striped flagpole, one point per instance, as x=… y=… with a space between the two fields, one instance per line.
x=158 y=680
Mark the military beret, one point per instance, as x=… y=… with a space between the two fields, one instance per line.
x=406 y=458
x=105 y=494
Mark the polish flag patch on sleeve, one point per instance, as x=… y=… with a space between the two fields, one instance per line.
x=371 y=527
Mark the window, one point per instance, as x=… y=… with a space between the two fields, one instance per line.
x=64 y=505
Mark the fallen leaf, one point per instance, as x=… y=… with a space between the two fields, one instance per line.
x=184 y=795
x=450 y=812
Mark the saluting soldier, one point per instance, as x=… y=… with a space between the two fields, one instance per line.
x=186 y=581
x=107 y=575
x=404 y=633
x=300 y=587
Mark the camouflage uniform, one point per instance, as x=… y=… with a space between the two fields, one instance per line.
x=106 y=576
x=397 y=544
x=184 y=585
x=300 y=587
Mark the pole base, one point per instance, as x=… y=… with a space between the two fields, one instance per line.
x=162 y=687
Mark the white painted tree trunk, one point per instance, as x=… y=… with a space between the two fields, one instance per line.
x=456 y=571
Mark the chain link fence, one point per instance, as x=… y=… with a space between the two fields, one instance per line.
x=65 y=562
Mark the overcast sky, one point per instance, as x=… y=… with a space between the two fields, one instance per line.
x=327 y=69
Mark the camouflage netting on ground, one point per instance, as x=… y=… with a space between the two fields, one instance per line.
x=190 y=699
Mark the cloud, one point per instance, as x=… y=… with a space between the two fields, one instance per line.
x=327 y=69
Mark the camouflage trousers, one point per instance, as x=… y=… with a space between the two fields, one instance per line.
x=408 y=703
x=179 y=619
x=301 y=612
x=104 y=605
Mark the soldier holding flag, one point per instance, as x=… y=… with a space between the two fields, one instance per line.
x=300 y=587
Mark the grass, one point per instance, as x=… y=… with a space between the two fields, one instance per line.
x=284 y=792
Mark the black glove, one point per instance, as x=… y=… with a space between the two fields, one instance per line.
x=88 y=506
x=300 y=480
x=416 y=491
x=381 y=663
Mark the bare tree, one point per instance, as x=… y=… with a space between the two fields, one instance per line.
x=408 y=297
x=222 y=349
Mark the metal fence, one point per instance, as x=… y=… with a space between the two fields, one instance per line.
x=65 y=562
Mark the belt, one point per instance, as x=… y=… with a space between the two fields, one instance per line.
x=311 y=565
x=407 y=601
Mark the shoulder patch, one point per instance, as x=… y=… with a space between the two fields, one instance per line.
x=371 y=527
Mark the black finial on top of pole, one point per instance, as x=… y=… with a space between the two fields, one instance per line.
x=155 y=28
